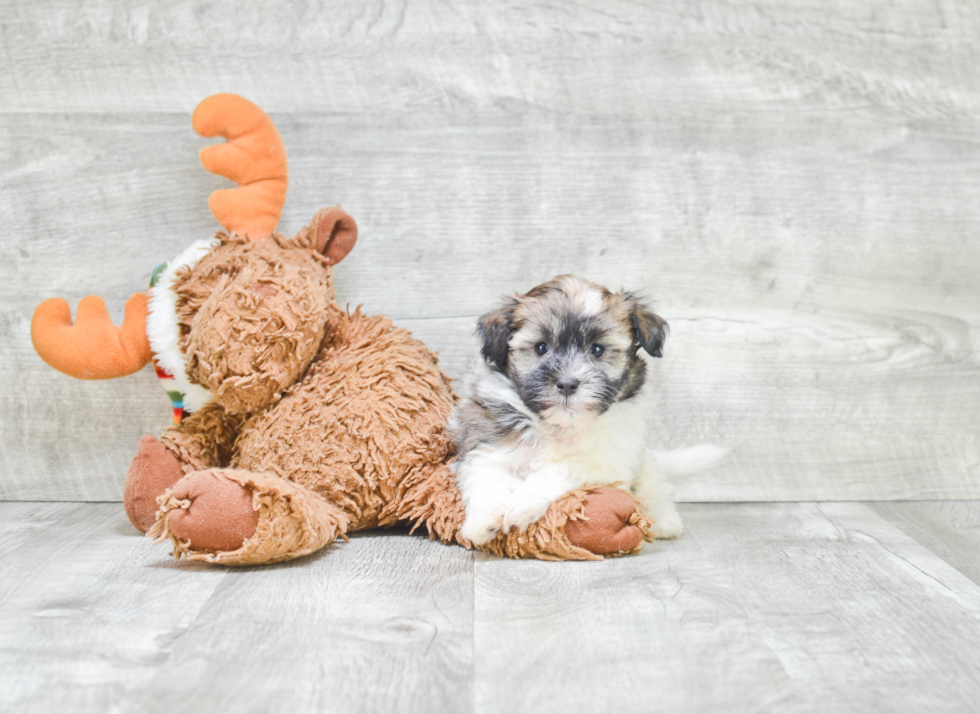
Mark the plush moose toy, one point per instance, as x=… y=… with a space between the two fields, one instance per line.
x=296 y=421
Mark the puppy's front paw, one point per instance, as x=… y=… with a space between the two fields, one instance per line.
x=667 y=524
x=481 y=530
x=524 y=512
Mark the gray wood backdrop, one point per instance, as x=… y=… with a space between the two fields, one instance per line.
x=796 y=186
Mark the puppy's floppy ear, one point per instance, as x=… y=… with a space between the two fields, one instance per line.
x=649 y=330
x=494 y=330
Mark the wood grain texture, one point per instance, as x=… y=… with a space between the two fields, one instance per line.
x=795 y=187
x=759 y=607
x=382 y=624
x=804 y=607
x=951 y=530
x=613 y=57
x=88 y=610
x=95 y=618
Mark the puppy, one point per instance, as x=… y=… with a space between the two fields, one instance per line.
x=557 y=407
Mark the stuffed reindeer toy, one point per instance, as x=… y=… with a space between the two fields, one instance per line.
x=296 y=421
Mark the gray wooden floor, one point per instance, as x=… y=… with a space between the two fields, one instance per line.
x=789 y=607
x=795 y=184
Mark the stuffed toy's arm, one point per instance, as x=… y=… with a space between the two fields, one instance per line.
x=584 y=524
x=205 y=439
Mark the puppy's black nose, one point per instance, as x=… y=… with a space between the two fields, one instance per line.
x=567 y=386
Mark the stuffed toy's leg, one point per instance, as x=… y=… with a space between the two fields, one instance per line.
x=584 y=524
x=432 y=499
x=203 y=440
x=237 y=517
x=152 y=471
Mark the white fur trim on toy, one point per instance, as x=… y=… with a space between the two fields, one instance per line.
x=163 y=327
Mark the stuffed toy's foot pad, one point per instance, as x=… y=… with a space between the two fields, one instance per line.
x=608 y=527
x=153 y=470
x=216 y=513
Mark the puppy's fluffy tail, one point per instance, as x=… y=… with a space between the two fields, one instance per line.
x=680 y=463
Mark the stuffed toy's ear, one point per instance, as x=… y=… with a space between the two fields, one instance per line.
x=336 y=234
x=494 y=330
x=650 y=330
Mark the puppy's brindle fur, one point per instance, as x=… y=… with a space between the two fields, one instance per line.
x=556 y=408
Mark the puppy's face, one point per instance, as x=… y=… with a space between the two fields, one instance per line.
x=570 y=348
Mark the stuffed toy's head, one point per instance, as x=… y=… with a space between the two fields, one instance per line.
x=235 y=319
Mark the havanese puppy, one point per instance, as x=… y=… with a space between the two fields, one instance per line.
x=557 y=407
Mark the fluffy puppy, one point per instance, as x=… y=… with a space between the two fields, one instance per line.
x=557 y=407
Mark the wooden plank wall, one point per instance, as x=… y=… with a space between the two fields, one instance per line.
x=797 y=187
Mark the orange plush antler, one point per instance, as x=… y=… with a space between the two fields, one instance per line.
x=253 y=157
x=92 y=348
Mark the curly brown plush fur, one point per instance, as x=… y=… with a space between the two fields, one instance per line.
x=342 y=415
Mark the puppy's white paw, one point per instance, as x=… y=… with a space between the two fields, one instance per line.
x=667 y=522
x=523 y=512
x=667 y=528
x=482 y=530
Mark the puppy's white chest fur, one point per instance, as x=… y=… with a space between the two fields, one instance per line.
x=596 y=450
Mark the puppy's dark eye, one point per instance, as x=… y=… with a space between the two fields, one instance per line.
x=598 y=350
x=541 y=349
